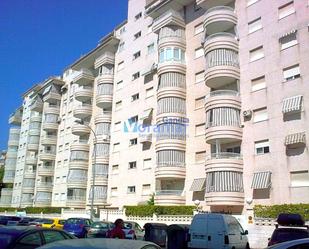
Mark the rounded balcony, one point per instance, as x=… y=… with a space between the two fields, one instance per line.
x=31 y=160
x=80 y=130
x=98 y=201
x=224 y=161
x=28 y=189
x=33 y=146
x=49 y=140
x=105 y=78
x=79 y=164
x=102 y=159
x=43 y=202
x=101 y=180
x=224 y=198
x=221 y=40
x=46 y=171
x=170 y=172
x=50 y=126
x=37 y=119
x=52 y=110
x=169 y=197
x=80 y=146
x=83 y=93
x=226 y=133
x=171 y=107
x=77 y=183
x=106 y=117
x=76 y=201
x=83 y=77
x=172 y=66
x=82 y=111
x=11 y=154
x=171 y=36
x=29 y=174
x=13 y=142
x=104 y=101
x=47 y=156
x=44 y=187
x=219 y=19
x=170 y=144
x=34 y=131
x=222 y=98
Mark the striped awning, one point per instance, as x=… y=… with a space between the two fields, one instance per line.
x=296 y=138
x=198 y=184
x=292 y=32
x=261 y=180
x=292 y=104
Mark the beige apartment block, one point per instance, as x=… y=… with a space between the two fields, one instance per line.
x=192 y=102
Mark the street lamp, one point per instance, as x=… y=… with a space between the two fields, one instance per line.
x=81 y=122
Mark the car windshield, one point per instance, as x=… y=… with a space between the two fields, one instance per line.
x=99 y=225
x=289 y=234
x=74 y=221
x=61 y=222
x=127 y=225
x=5 y=239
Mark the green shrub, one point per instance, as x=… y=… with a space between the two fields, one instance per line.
x=148 y=210
x=273 y=211
x=33 y=210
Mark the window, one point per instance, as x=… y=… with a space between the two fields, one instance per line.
x=260 y=115
x=135 y=97
x=288 y=40
x=286 y=10
x=131 y=189
x=132 y=165
x=135 y=76
x=250 y=2
x=256 y=54
x=147 y=163
x=199 y=77
x=150 y=48
x=119 y=85
x=118 y=105
x=199 y=52
x=136 y=55
x=200 y=129
x=51 y=236
x=291 y=73
x=115 y=169
x=114 y=191
x=198 y=28
x=258 y=83
x=300 y=179
x=200 y=156
x=56 y=197
x=116 y=147
x=149 y=92
x=255 y=25
x=138 y=35
x=171 y=54
x=121 y=46
x=117 y=126
x=138 y=16
x=120 y=66
x=133 y=119
x=199 y=102
x=29 y=241
x=122 y=30
x=133 y=141
x=146 y=189
x=261 y=147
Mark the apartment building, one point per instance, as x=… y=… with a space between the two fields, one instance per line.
x=186 y=100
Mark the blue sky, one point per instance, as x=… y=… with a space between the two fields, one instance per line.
x=40 y=38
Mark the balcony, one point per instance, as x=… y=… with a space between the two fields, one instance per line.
x=222 y=98
x=169 y=36
x=178 y=66
x=80 y=130
x=83 y=77
x=48 y=155
x=169 y=18
x=50 y=126
x=43 y=201
x=98 y=201
x=170 y=172
x=100 y=179
x=6 y=192
x=78 y=182
x=28 y=189
x=52 y=109
x=169 y=197
x=207 y=4
x=76 y=201
x=26 y=201
x=224 y=198
x=224 y=161
x=44 y=187
x=105 y=117
x=83 y=111
x=15 y=119
x=46 y=170
x=106 y=58
x=33 y=146
x=221 y=40
x=11 y=154
x=29 y=174
x=8 y=176
x=104 y=98
x=36 y=106
x=35 y=118
x=84 y=93
x=31 y=160
x=49 y=140
x=145 y=138
x=52 y=96
x=219 y=19
x=6 y=197
x=106 y=77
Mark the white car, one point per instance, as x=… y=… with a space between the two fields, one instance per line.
x=293 y=244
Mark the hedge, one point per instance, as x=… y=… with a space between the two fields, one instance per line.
x=33 y=210
x=149 y=210
x=273 y=211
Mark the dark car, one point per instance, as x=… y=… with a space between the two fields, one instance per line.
x=77 y=226
x=40 y=221
x=28 y=237
x=26 y=221
x=99 y=229
x=9 y=220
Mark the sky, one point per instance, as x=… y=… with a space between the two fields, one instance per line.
x=39 y=38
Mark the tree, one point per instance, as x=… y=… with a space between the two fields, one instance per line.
x=150 y=202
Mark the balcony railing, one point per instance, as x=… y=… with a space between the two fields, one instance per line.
x=224 y=155
x=169 y=192
x=76 y=198
x=217 y=8
x=220 y=34
x=222 y=93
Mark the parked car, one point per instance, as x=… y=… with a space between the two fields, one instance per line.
x=100 y=229
x=28 y=237
x=290 y=227
x=77 y=226
x=133 y=230
x=212 y=231
x=293 y=244
x=9 y=220
x=54 y=223
x=40 y=222
x=26 y=221
x=101 y=244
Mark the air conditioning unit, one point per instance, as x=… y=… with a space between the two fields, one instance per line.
x=247 y=113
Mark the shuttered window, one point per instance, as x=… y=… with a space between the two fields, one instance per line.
x=198 y=28
x=120 y=66
x=200 y=156
x=260 y=115
x=256 y=54
x=199 y=77
x=291 y=73
x=299 y=178
x=199 y=52
x=200 y=129
x=199 y=102
x=147 y=163
x=255 y=25
x=146 y=189
x=288 y=40
x=261 y=147
x=258 y=83
x=286 y=10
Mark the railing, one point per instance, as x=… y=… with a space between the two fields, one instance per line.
x=171 y=164
x=105 y=89
x=221 y=123
x=76 y=198
x=169 y=192
x=86 y=71
x=220 y=34
x=166 y=14
x=224 y=155
x=222 y=57
x=222 y=93
x=44 y=184
x=217 y=8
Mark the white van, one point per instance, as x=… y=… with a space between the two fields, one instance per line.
x=217 y=231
